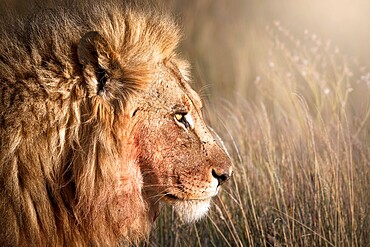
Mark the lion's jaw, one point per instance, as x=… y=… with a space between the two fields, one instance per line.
x=192 y=210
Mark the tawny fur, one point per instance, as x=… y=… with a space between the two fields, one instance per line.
x=58 y=143
x=94 y=127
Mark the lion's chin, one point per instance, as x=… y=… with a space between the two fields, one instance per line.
x=191 y=210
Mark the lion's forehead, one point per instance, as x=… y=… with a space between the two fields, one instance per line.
x=172 y=86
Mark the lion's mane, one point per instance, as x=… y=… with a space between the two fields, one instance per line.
x=60 y=146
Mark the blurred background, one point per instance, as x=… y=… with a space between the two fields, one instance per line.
x=226 y=39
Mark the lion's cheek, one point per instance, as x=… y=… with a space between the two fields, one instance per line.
x=130 y=180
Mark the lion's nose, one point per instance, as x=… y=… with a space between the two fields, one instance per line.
x=221 y=176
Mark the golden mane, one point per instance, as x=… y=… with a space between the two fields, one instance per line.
x=58 y=151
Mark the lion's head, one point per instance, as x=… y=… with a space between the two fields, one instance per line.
x=99 y=126
x=180 y=161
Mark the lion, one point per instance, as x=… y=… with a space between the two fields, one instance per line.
x=99 y=127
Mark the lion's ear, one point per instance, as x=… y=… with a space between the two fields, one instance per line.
x=94 y=54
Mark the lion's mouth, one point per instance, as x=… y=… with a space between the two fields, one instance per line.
x=173 y=198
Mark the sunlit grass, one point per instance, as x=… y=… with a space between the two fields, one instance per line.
x=298 y=133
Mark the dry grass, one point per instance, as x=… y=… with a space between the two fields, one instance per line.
x=296 y=122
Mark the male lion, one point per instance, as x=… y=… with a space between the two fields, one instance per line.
x=98 y=127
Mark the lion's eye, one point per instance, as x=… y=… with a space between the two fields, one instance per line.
x=179 y=117
x=184 y=120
